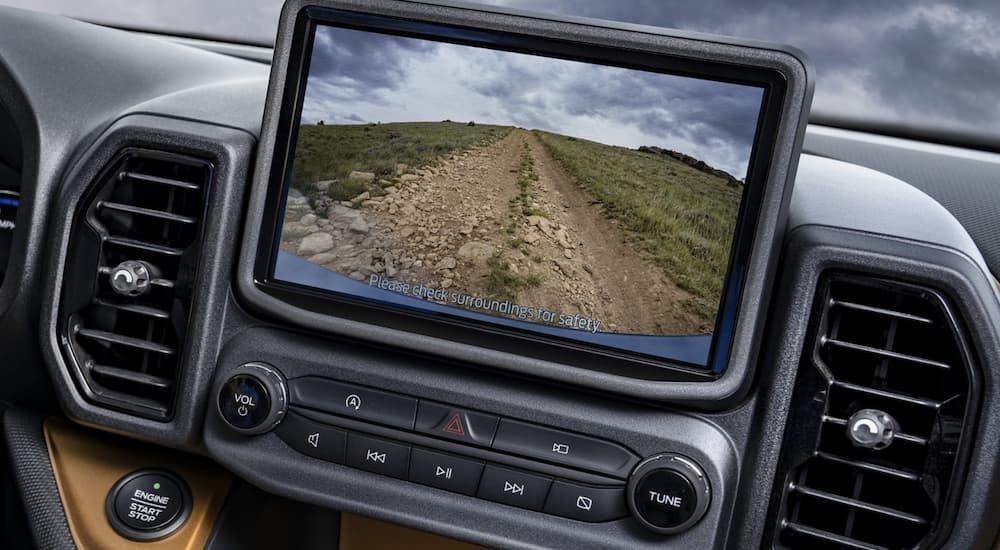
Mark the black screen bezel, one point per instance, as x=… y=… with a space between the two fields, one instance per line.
x=484 y=334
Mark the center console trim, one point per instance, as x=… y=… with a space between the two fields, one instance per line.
x=268 y=462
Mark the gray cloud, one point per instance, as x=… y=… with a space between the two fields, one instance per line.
x=944 y=63
x=921 y=61
x=357 y=59
x=899 y=61
x=355 y=67
x=378 y=77
x=705 y=111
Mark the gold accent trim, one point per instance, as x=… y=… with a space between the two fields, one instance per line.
x=87 y=463
x=361 y=533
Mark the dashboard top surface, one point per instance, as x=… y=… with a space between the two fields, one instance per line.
x=852 y=182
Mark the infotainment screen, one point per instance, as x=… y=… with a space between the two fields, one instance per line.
x=457 y=179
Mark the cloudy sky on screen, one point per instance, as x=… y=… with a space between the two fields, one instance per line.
x=359 y=77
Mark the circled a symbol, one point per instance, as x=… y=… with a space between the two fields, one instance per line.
x=353 y=401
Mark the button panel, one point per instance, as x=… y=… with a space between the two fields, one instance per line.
x=464 y=426
x=532 y=490
x=450 y=472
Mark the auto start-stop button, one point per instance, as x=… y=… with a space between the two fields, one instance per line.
x=148 y=504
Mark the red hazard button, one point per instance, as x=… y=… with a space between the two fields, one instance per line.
x=455 y=426
x=458 y=424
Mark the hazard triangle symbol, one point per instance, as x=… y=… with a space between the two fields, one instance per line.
x=454 y=426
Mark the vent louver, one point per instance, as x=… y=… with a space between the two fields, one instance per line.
x=895 y=349
x=146 y=210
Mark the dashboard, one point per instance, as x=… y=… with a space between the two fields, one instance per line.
x=864 y=414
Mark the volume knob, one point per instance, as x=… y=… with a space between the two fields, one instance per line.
x=254 y=399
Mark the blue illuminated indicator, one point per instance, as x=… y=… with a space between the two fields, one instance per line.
x=4 y=201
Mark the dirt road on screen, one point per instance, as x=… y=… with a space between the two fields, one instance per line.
x=503 y=221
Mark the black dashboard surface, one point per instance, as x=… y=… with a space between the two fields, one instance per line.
x=121 y=80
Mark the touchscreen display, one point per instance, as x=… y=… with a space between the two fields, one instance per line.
x=587 y=202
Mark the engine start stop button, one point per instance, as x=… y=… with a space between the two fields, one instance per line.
x=148 y=504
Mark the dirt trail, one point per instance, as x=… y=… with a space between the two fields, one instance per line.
x=617 y=282
x=506 y=221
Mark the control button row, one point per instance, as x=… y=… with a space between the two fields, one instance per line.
x=453 y=473
x=465 y=426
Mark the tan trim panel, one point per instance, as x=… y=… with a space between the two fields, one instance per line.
x=87 y=463
x=361 y=533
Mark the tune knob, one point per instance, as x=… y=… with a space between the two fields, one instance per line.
x=668 y=493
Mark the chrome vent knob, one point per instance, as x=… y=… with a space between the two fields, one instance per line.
x=131 y=278
x=871 y=429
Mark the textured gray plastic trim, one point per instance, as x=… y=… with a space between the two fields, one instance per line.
x=36 y=482
x=756 y=292
x=269 y=463
x=230 y=151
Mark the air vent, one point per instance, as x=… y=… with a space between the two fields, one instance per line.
x=882 y=417
x=129 y=279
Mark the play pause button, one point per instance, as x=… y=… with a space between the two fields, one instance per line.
x=445 y=471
